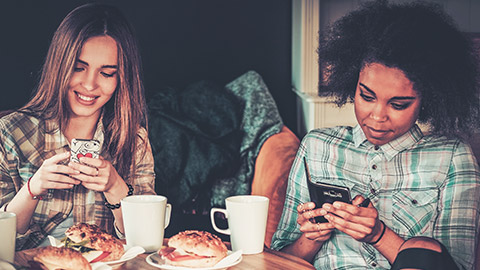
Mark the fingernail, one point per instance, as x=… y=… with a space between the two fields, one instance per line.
x=326 y=207
x=323 y=212
x=327 y=217
x=336 y=205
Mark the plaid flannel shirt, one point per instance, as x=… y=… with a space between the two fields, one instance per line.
x=25 y=142
x=420 y=185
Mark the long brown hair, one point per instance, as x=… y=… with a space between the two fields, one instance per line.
x=125 y=112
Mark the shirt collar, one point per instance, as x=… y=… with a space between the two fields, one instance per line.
x=54 y=138
x=392 y=148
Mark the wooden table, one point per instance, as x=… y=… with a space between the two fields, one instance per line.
x=269 y=259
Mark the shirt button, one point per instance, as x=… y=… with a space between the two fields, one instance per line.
x=372 y=191
x=374 y=264
x=376 y=147
x=374 y=166
x=414 y=201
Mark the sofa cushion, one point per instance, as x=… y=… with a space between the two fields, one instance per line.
x=272 y=167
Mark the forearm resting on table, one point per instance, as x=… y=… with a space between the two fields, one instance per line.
x=303 y=248
x=23 y=206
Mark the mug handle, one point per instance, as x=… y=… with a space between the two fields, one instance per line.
x=212 y=219
x=168 y=211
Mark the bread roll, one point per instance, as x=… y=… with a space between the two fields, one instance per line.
x=97 y=239
x=53 y=258
x=195 y=249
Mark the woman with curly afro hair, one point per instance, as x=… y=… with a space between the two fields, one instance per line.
x=415 y=196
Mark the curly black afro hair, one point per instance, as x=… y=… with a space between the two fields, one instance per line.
x=421 y=40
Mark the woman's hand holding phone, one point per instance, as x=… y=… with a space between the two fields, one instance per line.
x=53 y=174
x=96 y=173
x=313 y=231
x=357 y=218
x=361 y=223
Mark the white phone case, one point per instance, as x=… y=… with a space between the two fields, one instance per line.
x=84 y=148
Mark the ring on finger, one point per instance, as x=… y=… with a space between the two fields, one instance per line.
x=300 y=208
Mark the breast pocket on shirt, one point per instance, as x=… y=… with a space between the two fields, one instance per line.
x=413 y=212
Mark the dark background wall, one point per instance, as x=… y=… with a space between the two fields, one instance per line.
x=182 y=41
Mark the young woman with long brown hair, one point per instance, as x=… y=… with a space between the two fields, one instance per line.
x=90 y=88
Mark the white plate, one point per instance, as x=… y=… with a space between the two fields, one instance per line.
x=130 y=253
x=156 y=260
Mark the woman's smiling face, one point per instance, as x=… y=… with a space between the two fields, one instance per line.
x=386 y=105
x=94 y=78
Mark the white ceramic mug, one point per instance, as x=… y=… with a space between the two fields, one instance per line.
x=8 y=233
x=145 y=218
x=247 y=222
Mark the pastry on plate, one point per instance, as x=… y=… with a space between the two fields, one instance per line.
x=53 y=258
x=89 y=238
x=194 y=249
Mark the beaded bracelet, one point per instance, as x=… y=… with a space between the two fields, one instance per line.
x=35 y=197
x=381 y=235
x=116 y=206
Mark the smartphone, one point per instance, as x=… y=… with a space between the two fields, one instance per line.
x=84 y=148
x=321 y=193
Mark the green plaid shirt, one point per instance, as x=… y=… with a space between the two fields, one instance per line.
x=420 y=185
x=25 y=143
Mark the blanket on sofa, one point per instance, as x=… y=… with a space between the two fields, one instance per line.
x=260 y=120
x=195 y=139
x=205 y=139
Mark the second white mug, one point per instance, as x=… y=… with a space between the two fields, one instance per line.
x=8 y=232
x=247 y=222
x=145 y=218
